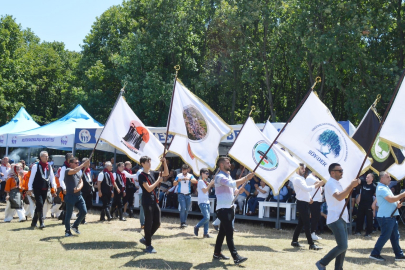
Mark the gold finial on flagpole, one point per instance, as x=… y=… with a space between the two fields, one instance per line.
x=123 y=88
x=317 y=80
x=252 y=109
x=378 y=98
x=177 y=68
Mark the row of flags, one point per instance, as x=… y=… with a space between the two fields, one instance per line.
x=313 y=137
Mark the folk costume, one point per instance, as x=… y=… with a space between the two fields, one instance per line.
x=14 y=188
x=29 y=201
x=87 y=190
x=130 y=190
x=120 y=180
x=106 y=180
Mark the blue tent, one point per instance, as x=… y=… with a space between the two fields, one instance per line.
x=58 y=134
x=348 y=126
x=22 y=121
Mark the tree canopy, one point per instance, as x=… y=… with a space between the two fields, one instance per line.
x=233 y=54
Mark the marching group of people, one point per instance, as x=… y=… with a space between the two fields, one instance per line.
x=32 y=193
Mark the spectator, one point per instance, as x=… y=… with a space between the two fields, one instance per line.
x=253 y=183
x=243 y=194
x=242 y=172
x=234 y=170
x=367 y=191
x=165 y=186
x=282 y=194
x=261 y=194
x=25 y=167
x=203 y=202
x=171 y=201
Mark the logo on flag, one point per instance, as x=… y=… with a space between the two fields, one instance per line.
x=196 y=125
x=328 y=140
x=270 y=160
x=136 y=137
x=84 y=136
x=380 y=150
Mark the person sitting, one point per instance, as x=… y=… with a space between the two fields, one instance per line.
x=243 y=194
x=282 y=195
x=171 y=202
x=261 y=193
x=164 y=187
x=253 y=183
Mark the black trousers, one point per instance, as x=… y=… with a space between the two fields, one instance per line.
x=88 y=199
x=40 y=198
x=106 y=200
x=303 y=221
x=364 y=210
x=225 y=215
x=152 y=221
x=129 y=198
x=172 y=200
x=315 y=209
x=117 y=201
x=2 y=193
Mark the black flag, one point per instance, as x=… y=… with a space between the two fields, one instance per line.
x=383 y=155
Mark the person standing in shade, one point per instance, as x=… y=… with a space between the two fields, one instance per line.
x=88 y=189
x=73 y=198
x=335 y=198
x=224 y=189
x=184 y=181
x=105 y=190
x=150 y=200
x=367 y=191
x=315 y=207
x=304 y=199
x=130 y=188
x=203 y=188
x=387 y=203
x=41 y=181
x=119 y=190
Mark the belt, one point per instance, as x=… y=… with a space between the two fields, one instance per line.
x=185 y=194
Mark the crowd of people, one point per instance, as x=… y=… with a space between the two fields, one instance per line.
x=32 y=191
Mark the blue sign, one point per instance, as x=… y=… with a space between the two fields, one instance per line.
x=85 y=135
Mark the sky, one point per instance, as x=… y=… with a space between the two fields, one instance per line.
x=67 y=21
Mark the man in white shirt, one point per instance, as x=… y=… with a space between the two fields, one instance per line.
x=4 y=169
x=184 y=181
x=262 y=192
x=303 y=201
x=335 y=198
x=315 y=207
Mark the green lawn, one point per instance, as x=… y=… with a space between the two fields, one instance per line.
x=112 y=245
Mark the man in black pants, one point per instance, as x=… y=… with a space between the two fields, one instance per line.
x=119 y=190
x=315 y=207
x=88 y=189
x=367 y=191
x=150 y=200
x=130 y=188
x=41 y=181
x=224 y=189
x=105 y=189
x=303 y=200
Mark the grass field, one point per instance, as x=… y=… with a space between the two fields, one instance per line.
x=113 y=245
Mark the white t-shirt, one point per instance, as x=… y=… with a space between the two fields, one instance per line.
x=202 y=197
x=263 y=195
x=311 y=180
x=5 y=171
x=137 y=182
x=334 y=206
x=184 y=186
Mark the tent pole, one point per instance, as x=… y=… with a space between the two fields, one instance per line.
x=7 y=146
x=115 y=159
x=278 y=212
x=74 y=145
x=29 y=157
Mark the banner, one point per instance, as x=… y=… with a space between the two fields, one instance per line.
x=315 y=137
x=126 y=132
x=382 y=154
x=393 y=129
x=251 y=145
x=194 y=120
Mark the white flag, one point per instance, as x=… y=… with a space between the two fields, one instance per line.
x=270 y=131
x=177 y=147
x=194 y=120
x=251 y=145
x=315 y=137
x=127 y=133
x=397 y=171
x=392 y=131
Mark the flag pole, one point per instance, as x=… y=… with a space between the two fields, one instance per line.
x=317 y=80
x=378 y=131
x=115 y=104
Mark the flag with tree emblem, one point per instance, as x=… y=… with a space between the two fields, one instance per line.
x=315 y=137
x=383 y=154
x=251 y=145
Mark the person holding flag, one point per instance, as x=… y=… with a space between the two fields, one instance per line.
x=303 y=201
x=224 y=190
x=150 y=200
x=335 y=198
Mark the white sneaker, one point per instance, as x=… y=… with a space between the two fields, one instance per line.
x=315 y=237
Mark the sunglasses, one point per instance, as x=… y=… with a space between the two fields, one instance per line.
x=341 y=171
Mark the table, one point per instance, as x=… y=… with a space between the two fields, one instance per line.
x=290 y=209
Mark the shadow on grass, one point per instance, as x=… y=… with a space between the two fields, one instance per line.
x=28 y=228
x=133 y=254
x=366 y=260
x=224 y=264
x=158 y=264
x=249 y=248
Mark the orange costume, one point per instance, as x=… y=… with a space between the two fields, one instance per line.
x=11 y=184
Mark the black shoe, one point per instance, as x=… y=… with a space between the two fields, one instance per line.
x=123 y=219
x=68 y=233
x=150 y=249
x=207 y=236
x=195 y=231
x=239 y=259
x=42 y=226
x=183 y=225
x=315 y=247
x=84 y=221
x=377 y=258
x=296 y=244
x=216 y=227
x=142 y=241
x=76 y=230
x=220 y=256
x=401 y=258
